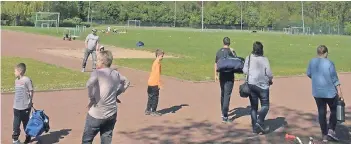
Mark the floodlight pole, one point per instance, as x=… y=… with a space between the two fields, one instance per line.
x=175 y=13
x=88 y=13
x=58 y=19
x=302 y=17
x=36 y=19
x=241 y=15
x=202 y=15
x=91 y=17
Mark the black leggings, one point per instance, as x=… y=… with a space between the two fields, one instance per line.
x=322 y=113
x=153 y=95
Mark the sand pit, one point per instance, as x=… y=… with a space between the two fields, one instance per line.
x=117 y=52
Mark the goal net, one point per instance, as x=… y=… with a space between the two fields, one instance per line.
x=45 y=25
x=46 y=19
x=133 y=23
x=297 y=30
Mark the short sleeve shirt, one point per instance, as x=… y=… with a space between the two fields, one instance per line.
x=23 y=99
x=92 y=41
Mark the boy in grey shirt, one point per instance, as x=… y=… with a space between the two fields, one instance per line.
x=22 y=102
x=91 y=45
x=104 y=85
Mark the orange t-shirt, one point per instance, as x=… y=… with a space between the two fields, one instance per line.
x=155 y=75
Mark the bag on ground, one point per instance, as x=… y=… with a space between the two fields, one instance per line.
x=37 y=124
x=140 y=44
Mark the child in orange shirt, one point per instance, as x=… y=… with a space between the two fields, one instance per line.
x=154 y=85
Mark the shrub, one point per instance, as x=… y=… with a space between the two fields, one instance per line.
x=68 y=23
x=71 y=22
x=87 y=24
x=347 y=28
x=26 y=23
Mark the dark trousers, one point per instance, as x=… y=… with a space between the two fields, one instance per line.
x=153 y=93
x=20 y=116
x=87 y=52
x=94 y=126
x=262 y=95
x=226 y=92
x=322 y=113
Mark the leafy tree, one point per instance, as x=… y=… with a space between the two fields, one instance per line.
x=317 y=14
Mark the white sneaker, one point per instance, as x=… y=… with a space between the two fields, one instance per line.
x=83 y=69
x=16 y=142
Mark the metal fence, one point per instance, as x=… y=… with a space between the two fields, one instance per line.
x=316 y=28
x=313 y=28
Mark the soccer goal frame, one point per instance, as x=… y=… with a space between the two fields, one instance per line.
x=300 y=30
x=287 y=30
x=136 y=23
x=50 y=18
x=45 y=25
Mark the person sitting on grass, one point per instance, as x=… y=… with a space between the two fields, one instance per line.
x=154 y=85
x=22 y=102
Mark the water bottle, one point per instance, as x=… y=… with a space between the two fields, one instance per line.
x=340 y=111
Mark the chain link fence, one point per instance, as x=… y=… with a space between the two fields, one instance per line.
x=296 y=27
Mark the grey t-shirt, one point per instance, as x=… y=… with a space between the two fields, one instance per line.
x=23 y=99
x=92 y=41
x=104 y=85
x=260 y=73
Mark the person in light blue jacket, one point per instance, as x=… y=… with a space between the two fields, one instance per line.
x=325 y=90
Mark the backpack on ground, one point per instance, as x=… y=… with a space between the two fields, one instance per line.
x=140 y=44
x=37 y=124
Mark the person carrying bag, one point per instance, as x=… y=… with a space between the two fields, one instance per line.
x=229 y=63
x=256 y=87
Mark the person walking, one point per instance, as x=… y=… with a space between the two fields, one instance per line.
x=226 y=79
x=326 y=90
x=92 y=46
x=257 y=68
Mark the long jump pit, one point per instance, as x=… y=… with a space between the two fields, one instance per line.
x=116 y=52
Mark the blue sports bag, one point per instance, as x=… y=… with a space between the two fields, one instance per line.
x=37 y=124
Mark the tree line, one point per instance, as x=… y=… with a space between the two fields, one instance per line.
x=274 y=14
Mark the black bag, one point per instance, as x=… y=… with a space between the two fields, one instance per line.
x=244 y=89
x=235 y=65
x=230 y=63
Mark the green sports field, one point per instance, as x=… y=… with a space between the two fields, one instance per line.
x=288 y=54
x=53 y=77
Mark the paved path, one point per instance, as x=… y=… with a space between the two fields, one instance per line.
x=293 y=109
